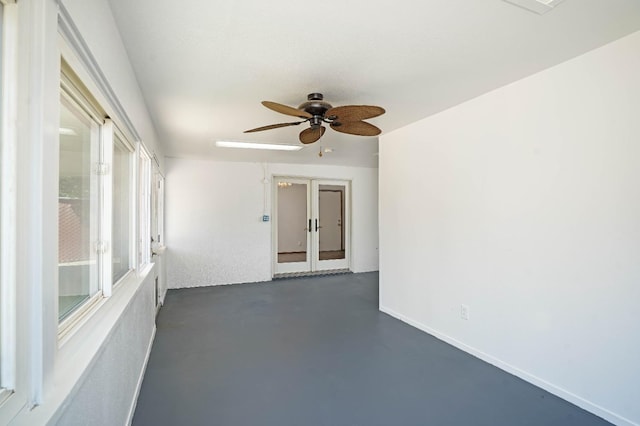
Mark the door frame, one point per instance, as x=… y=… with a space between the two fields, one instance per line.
x=333 y=264
x=312 y=213
x=289 y=267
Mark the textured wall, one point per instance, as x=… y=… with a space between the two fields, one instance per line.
x=215 y=234
x=106 y=394
x=524 y=204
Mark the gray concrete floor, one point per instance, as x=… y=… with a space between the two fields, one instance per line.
x=316 y=351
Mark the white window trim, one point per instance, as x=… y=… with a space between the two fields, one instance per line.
x=12 y=350
x=159 y=191
x=108 y=131
x=75 y=96
x=92 y=101
x=144 y=206
x=122 y=136
x=105 y=219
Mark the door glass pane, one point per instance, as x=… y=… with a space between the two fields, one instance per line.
x=292 y=222
x=331 y=213
x=77 y=209
x=122 y=158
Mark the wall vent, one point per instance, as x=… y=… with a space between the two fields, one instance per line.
x=536 y=6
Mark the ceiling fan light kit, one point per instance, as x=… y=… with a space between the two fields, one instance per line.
x=344 y=119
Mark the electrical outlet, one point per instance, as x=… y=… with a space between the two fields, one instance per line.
x=464 y=312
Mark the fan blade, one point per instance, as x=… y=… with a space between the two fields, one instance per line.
x=354 y=112
x=311 y=134
x=283 y=109
x=274 y=126
x=360 y=128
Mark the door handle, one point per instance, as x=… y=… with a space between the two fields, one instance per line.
x=309 y=225
x=317 y=227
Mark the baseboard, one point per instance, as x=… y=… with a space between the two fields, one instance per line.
x=537 y=381
x=134 y=403
x=326 y=273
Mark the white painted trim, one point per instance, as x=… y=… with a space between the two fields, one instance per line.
x=100 y=216
x=39 y=111
x=136 y=394
x=143 y=182
x=106 y=207
x=8 y=200
x=122 y=137
x=13 y=351
x=537 y=381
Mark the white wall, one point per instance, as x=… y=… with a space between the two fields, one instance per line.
x=524 y=204
x=214 y=230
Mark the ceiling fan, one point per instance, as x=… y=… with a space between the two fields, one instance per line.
x=344 y=119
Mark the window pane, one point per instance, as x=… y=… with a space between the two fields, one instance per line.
x=121 y=209
x=331 y=213
x=292 y=222
x=77 y=209
x=144 y=166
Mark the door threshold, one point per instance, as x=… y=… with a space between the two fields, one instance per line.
x=287 y=275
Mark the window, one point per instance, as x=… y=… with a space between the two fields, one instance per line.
x=144 y=236
x=95 y=202
x=122 y=208
x=78 y=207
x=157 y=206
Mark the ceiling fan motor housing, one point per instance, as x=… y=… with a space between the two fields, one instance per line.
x=316 y=107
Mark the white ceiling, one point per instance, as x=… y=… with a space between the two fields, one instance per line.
x=204 y=66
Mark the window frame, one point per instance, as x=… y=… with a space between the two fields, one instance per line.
x=144 y=207
x=121 y=136
x=76 y=95
x=13 y=394
x=157 y=210
x=74 y=90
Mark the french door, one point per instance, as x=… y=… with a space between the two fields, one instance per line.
x=311 y=225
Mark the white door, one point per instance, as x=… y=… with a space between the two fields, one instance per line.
x=331 y=212
x=310 y=225
x=292 y=220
